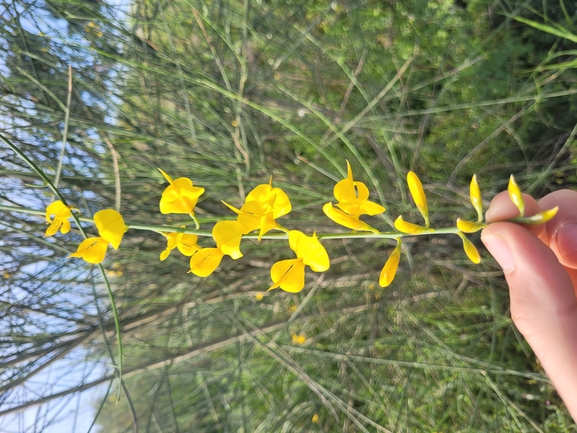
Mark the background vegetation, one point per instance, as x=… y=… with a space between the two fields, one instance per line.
x=229 y=93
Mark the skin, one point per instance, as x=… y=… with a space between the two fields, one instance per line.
x=540 y=266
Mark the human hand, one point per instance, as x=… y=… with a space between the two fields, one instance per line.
x=540 y=266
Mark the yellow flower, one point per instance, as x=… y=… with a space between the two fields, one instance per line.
x=418 y=194
x=516 y=196
x=390 y=269
x=476 y=198
x=180 y=197
x=407 y=227
x=352 y=202
x=289 y=275
x=470 y=249
x=60 y=222
x=259 y=296
x=263 y=205
x=298 y=339
x=315 y=418
x=477 y=202
x=186 y=243
x=227 y=235
x=111 y=228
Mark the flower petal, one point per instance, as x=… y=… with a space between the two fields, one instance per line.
x=164 y=255
x=289 y=275
x=58 y=209
x=390 y=269
x=110 y=225
x=310 y=250
x=361 y=190
x=346 y=220
x=54 y=227
x=166 y=176
x=187 y=245
x=205 y=261
x=541 y=217
x=92 y=250
x=516 y=196
x=227 y=235
x=418 y=194
x=407 y=227
x=371 y=208
x=65 y=227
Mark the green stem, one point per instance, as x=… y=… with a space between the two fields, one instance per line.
x=277 y=236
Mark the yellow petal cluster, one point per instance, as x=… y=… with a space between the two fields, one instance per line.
x=390 y=269
x=227 y=235
x=184 y=242
x=60 y=222
x=111 y=228
x=263 y=205
x=289 y=275
x=180 y=197
x=352 y=202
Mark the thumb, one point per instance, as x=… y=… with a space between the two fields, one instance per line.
x=543 y=304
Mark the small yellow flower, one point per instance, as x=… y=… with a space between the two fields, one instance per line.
x=263 y=205
x=227 y=235
x=180 y=197
x=469 y=226
x=111 y=228
x=476 y=198
x=352 y=202
x=477 y=202
x=470 y=249
x=259 y=296
x=60 y=222
x=418 y=194
x=390 y=269
x=410 y=228
x=315 y=418
x=298 y=339
x=516 y=196
x=186 y=243
x=289 y=275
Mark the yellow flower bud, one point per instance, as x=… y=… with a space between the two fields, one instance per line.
x=390 y=269
x=470 y=249
x=469 y=226
x=418 y=194
x=516 y=196
x=410 y=228
x=476 y=198
x=541 y=217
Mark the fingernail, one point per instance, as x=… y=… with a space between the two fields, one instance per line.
x=500 y=251
x=566 y=238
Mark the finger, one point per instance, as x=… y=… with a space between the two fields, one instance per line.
x=502 y=208
x=543 y=303
x=562 y=229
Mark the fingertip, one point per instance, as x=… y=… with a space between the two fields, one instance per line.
x=502 y=208
x=562 y=229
